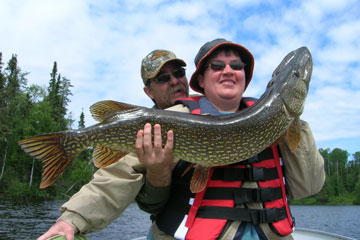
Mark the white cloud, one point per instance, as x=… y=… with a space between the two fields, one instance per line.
x=334 y=113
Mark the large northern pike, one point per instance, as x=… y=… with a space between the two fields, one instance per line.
x=207 y=141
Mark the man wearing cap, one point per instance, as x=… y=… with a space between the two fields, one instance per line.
x=233 y=204
x=164 y=78
x=115 y=187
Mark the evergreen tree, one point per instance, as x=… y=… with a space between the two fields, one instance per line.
x=3 y=129
x=15 y=108
x=357 y=193
x=58 y=98
x=81 y=123
x=53 y=96
x=86 y=155
x=11 y=82
x=15 y=78
x=2 y=80
x=65 y=92
x=352 y=172
x=15 y=81
x=323 y=195
x=325 y=154
x=356 y=157
x=27 y=111
x=339 y=159
x=2 y=103
x=52 y=89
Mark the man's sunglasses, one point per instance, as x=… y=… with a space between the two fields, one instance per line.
x=165 y=78
x=219 y=66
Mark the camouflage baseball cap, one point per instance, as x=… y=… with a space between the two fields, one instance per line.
x=153 y=62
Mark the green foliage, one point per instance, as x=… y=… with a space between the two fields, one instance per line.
x=79 y=172
x=323 y=196
x=20 y=191
x=304 y=201
x=357 y=193
x=27 y=111
x=342 y=184
x=344 y=199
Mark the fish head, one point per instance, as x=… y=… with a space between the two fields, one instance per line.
x=291 y=80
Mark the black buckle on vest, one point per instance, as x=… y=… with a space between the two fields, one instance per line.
x=245 y=195
x=271 y=215
x=266 y=215
x=255 y=216
x=255 y=174
x=252 y=174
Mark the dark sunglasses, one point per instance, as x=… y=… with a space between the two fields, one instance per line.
x=165 y=78
x=219 y=66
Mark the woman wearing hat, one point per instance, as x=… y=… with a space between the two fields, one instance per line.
x=234 y=204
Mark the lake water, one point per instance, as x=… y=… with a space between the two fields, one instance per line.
x=28 y=221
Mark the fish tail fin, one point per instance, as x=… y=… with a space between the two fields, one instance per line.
x=50 y=151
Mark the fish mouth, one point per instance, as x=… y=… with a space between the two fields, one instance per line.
x=293 y=101
x=293 y=98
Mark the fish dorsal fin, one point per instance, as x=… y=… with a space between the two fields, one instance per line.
x=199 y=179
x=104 y=156
x=104 y=109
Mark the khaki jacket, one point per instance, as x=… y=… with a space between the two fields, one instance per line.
x=115 y=187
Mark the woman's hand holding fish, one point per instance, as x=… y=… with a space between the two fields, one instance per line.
x=158 y=160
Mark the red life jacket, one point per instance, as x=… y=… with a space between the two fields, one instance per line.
x=205 y=214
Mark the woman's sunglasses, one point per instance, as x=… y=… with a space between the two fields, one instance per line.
x=219 y=66
x=165 y=78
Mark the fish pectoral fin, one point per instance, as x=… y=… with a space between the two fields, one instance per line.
x=199 y=179
x=104 y=156
x=188 y=169
x=293 y=134
x=48 y=149
x=105 y=109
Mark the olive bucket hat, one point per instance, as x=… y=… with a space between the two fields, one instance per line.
x=208 y=48
x=155 y=60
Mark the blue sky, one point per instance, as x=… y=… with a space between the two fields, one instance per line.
x=99 y=45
